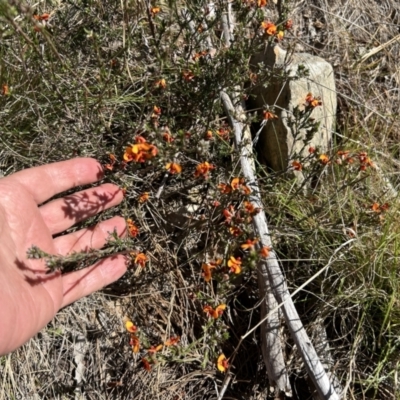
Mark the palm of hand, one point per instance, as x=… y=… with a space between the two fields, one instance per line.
x=29 y=297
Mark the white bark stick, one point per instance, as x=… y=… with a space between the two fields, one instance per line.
x=277 y=281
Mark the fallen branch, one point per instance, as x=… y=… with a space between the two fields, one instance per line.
x=270 y=268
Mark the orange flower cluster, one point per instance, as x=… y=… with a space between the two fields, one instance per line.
x=235 y=264
x=239 y=184
x=132 y=228
x=214 y=313
x=203 y=170
x=173 y=168
x=141 y=151
x=312 y=102
x=144 y=197
x=222 y=363
x=376 y=207
x=271 y=29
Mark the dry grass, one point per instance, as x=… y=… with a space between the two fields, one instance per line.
x=86 y=87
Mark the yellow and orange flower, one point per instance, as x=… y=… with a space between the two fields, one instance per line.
x=140 y=152
x=250 y=209
x=203 y=169
x=224 y=132
x=141 y=259
x=173 y=168
x=172 y=341
x=269 y=28
x=269 y=115
x=154 y=11
x=130 y=326
x=264 y=251
x=144 y=197
x=224 y=188
x=161 y=83
x=235 y=264
x=110 y=166
x=134 y=343
x=239 y=184
x=207 y=271
x=235 y=231
x=249 y=244
x=132 y=228
x=262 y=3
x=280 y=35
x=222 y=363
x=155 y=349
x=324 y=159
x=214 y=313
x=312 y=101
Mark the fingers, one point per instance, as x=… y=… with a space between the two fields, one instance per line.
x=81 y=283
x=61 y=214
x=90 y=238
x=47 y=180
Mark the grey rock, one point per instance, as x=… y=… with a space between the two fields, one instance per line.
x=279 y=142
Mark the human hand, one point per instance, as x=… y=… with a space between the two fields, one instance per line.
x=30 y=298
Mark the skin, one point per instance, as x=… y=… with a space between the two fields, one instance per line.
x=30 y=298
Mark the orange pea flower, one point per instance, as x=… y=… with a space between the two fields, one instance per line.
x=172 y=341
x=235 y=264
x=130 y=326
x=110 y=166
x=235 y=231
x=203 y=169
x=132 y=228
x=312 y=101
x=297 y=166
x=154 y=11
x=141 y=259
x=219 y=310
x=269 y=28
x=208 y=135
x=269 y=115
x=311 y=150
x=264 y=251
x=43 y=17
x=134 y=343
x=207 y=271
x=222 y=363
x=140 y=152
x=324 y=159
x=155 y=349
x=167 y=137
x=173 y=168
x=146 y=364
x=280 y=35
x=229 y=213
x=249 y=244
x=288 y=24
x=224 y=188
x=224 y=132
x=250 y=209
x=238 y=184
x=5 y=90
x=161 y=83
x=262 y=3
x=144 y=197
x=187 y=75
